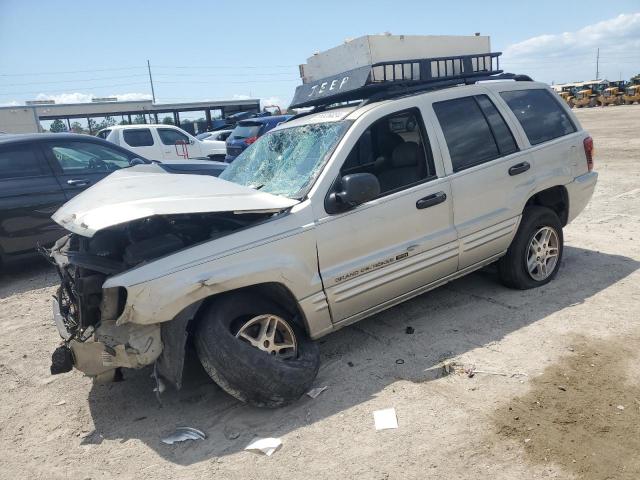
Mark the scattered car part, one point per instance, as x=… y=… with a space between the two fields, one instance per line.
x=268 y=446
x=184 y=433
x=385 y=419
x=314 y=392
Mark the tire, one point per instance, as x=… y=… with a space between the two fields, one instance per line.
x=512 y=268
x=242 y=370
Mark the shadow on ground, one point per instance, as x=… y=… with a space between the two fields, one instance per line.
x=26 y=275
x=357 y=362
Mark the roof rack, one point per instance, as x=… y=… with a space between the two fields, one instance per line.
x=400 y=77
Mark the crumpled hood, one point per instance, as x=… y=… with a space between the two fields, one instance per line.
x=140 y=192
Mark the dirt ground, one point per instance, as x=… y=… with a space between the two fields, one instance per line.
x=561 y=398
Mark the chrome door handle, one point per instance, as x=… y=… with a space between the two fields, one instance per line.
x=78 y=182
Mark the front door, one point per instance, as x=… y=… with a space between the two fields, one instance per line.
x=177 y=145
x=80 y=164
x=379 y=252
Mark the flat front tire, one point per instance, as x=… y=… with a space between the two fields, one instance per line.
x=534 y=256
x=255 y=350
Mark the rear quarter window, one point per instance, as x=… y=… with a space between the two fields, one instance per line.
x=540 y=114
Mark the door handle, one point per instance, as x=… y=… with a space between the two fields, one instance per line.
x=78 y=182
x=431 y=200
x=519 y=168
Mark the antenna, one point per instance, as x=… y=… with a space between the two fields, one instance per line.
x=153 y=93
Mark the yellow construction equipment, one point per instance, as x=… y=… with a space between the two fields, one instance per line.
x=631 y=94
x=612 y=95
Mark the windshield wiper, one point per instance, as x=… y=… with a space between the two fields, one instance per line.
x=257 y=187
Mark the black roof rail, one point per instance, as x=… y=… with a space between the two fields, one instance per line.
x=401 y=77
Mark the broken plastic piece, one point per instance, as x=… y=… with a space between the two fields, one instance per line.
x=385 y=419
x=184 y=433
x=314 y=392
x=268 y=446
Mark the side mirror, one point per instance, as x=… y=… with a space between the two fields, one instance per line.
x=352 y=190
x=136 y=161
x=192 y=141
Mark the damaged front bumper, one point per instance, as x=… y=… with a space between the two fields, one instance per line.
x=108 y=348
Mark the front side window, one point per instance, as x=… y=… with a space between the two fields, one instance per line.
x=474 y=130
x=286 y=162
x=540 y=114
x=169 y=136
x=394 y=149
x=138 y=137
x=19 y=161
x=78 y=157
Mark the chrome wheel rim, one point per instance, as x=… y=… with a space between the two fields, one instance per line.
x=270 y=334
x=542 y=254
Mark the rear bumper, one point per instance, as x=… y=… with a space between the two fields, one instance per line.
x=580 y=192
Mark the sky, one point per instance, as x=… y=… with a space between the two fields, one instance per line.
x=72 y=51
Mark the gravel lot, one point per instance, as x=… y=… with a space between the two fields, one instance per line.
x=562 y=399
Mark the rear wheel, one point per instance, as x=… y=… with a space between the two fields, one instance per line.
x=255 y=350
x=534 y=256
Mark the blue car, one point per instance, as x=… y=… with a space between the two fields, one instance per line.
x=248 y=131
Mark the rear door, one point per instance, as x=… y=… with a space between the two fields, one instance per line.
x=29 y=195
x=80 y=164
x=490 y=175
x=142 y=142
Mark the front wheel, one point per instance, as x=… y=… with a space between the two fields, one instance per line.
x=534 y=256
x=255 y=350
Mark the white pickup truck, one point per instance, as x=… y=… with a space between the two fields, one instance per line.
x=157 y=142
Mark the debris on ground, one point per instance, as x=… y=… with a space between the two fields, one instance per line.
x=399 y=361
x=268 y=446
x=409 y=330
x=184 y=433
x=385 y=419
x=314 y=392
x=61 y=402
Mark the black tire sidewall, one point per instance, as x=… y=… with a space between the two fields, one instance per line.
x=243 y=371
x=513 y=266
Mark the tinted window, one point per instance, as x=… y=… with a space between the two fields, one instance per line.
x=246 y=130
x=395 y=149
x=467 y=132
x=501 y=133
x=19 y=161
x=169 y=136
x=103 y=134
x=540 y=114
x=138 y=137
x=76 y=157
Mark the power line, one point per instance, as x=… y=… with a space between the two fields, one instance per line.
x=70 y=71
x=50 y=92
x=74 y=80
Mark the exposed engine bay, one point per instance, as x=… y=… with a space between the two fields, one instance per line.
x=87 y=313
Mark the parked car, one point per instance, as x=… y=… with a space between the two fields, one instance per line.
x=248 y=131
x=216 y=135
x=166 y=142
x=327 y=219
x=40 y=172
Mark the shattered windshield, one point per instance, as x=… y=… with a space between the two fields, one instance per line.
x=285 y=162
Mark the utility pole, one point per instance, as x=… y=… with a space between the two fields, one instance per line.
x=153 y=93
x=597 y=64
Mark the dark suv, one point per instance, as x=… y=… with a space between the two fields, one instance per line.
x=248 y=131
x=40 y=172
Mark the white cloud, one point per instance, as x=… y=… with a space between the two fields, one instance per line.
x=77 y=97
x=572 y=55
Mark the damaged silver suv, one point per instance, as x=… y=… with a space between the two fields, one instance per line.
x=331 y=217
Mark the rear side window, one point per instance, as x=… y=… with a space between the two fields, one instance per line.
x=169 y=136
x=246 y=130
x=474 y=130
x=138 y=137
x=541 y=116
x=20 y=161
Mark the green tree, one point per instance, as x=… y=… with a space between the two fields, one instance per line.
x=167 y=120
x=139 y=119
x=57 y=126
x=76 y=127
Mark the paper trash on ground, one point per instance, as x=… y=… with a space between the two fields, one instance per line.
x=314 y=392
x=385 y=419
x=265 y=445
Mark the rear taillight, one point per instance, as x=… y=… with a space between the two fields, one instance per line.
x=588 y=152
x=250 y=140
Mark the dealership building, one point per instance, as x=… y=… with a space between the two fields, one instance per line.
x=36 y=116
